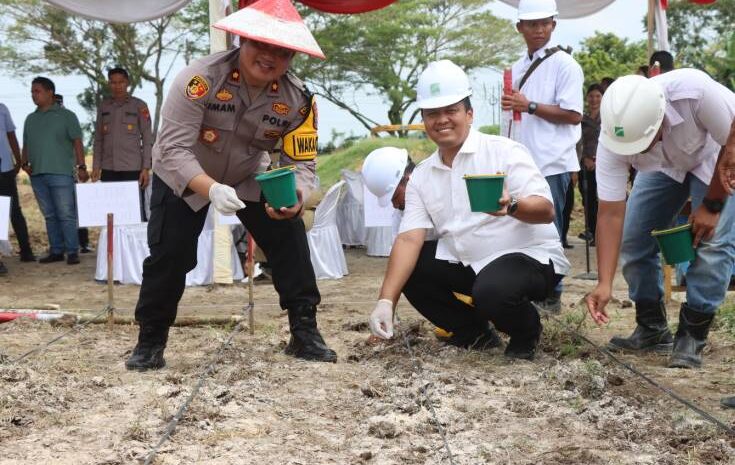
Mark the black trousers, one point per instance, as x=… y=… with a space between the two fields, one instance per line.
x=113 y=176
x=9 y=188
x=589 y=197
x=502 y=293
x=567 y=214
x=173 y=232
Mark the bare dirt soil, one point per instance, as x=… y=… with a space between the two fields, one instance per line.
x=75 y=403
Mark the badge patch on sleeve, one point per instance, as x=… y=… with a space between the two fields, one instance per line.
x=145 y=113
x=197 y=88
x=209 y=135
x=300 y=144
x=281 y=108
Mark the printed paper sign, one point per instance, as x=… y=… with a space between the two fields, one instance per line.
x=96 y=200
x=4 y=217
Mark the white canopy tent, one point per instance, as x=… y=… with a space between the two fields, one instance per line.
x=117 y=11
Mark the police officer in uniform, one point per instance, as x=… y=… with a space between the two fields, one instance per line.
x=222 y=116
x=122 y=139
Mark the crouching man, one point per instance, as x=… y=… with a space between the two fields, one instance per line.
x=503 y=260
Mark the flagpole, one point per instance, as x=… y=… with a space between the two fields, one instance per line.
x=650 y=24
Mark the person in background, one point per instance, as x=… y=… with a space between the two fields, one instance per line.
x=588 y=157
x=122 y=135
x=664 y=59
x=642 y=71
x=605 y=83
x=82 y=233
x=548 y=91
x=52 y=154
x=10 y=152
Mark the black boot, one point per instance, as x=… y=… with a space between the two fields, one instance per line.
x=690 y=339
x=483 y=338
x=652 y=332
x=524 y=342
x=306 y=342
x=148 y=353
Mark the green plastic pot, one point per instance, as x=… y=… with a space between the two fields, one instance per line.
x=484 y=191
x=279 y=187
x=676 y=244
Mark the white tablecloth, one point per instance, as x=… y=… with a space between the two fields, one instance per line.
x=131 y=248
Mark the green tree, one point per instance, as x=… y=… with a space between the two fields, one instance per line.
x=40 y=39
x=383 y=52
x=702 y=37
x=605 y=54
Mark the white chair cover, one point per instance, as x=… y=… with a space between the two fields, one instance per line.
x=130 y=248
x=5 y=248
x=350 y=214
x=379 y=241
x=327 y=256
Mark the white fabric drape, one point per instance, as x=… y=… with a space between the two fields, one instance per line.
x=121 y=11
x=569 y=9
x=350 y=216
x=327 y=256
x=662 y=28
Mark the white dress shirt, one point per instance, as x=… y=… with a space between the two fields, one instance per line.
x=559 y=80
x=6 y=126
x=697 y=120
x=436 y=197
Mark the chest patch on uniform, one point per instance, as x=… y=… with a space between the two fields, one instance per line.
x=209 y=135
x=271 y=134
x=197 y=88
x=281 y=108
x=304 y=110
x=145 y=113
x=105 y=129
x=225 y=107
x=272 y=120
x=235 y=75
x=224 y=95
x=274 y=87
x=130 y=127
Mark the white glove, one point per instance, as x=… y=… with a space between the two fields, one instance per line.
x=224 y=198
x=381 y=320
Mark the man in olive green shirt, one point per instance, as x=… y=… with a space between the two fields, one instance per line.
x=52 y=144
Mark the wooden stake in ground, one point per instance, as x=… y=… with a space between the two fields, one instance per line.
x=250 y=265
x=110 y=296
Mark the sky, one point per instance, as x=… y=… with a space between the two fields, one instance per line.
x=623 y=17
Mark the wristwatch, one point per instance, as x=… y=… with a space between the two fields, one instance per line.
x=713 y=205
x=532 y=107
x=513 y=206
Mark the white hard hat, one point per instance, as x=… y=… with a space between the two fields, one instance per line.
x=442 y=83
x=382 y=171
x=631 y=111
x=536 y=9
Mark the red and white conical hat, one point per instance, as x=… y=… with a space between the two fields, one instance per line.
x=274 y=22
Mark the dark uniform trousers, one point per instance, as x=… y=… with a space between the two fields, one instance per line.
x=502 y=292
x=8 y=187
x=173 y=232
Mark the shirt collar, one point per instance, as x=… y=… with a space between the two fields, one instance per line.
x=540 y=53
x=470 y=145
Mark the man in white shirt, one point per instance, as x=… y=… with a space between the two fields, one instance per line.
x=549 y=96
x=503 y=260
x=674 y=129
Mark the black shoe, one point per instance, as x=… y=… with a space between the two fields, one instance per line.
x=3 y=268
x=148 y=353
x=486 y=339
x=522 y=348
x=27 y=257
x=52 y=257
x=72 y=259
x=85 y=249
x=728 y=402
x=306 y=342
x=586 y=235
x=567 y=245
x=691 y=337
x=651 y=333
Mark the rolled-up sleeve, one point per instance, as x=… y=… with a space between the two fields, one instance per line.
x=612 y=175
x=716 y=111
x=569 y=91
x=415 y=215
x=523 y=176
x=181 y=119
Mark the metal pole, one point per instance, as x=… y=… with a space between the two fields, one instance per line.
x=250 y=265
x=589 y=276
x=110 y=295
x=650 y=24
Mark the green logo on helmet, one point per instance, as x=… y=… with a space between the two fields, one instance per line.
x=435 y=89
x=619 y=131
